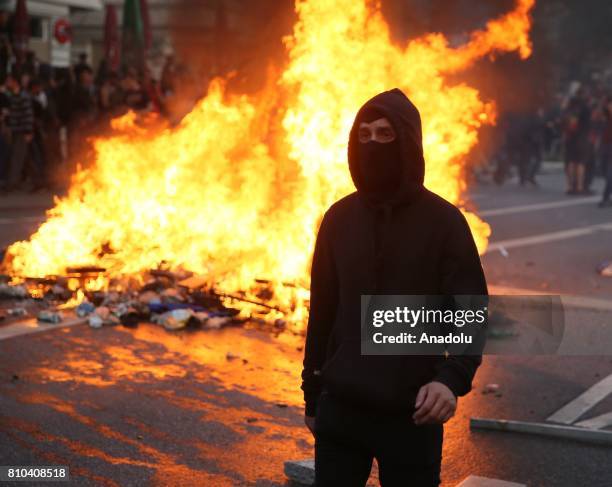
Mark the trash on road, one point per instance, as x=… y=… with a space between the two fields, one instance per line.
x=176 y=300
x=49 y=317
x=194 y=282
x=217 y=322
x=605 y=268
x=175 y=319
x=84 y=309
x=10 y=291
x=15 y=312
x=95 y=321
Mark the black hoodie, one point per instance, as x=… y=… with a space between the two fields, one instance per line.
x=414 y=242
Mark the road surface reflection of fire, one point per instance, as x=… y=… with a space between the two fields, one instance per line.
x=236 y=191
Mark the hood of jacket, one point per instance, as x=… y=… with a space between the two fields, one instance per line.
x=406 y=121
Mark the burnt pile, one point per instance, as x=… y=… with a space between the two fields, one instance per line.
x=174 y=300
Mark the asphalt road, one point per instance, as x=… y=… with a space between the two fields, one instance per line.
x=144 y=406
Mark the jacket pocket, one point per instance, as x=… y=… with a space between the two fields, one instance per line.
x=380 y=382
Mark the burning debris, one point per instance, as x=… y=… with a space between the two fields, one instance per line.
x=7 y=291
x=174 y=300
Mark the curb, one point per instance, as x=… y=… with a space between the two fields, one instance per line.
x=476 y=481
x=568 y=300
x=595 y=437
x=30 y=326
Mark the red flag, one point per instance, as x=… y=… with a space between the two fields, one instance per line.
x=21 y=31
x=146 y=23
x=111 y=38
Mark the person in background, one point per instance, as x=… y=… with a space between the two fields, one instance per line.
x=38 y=156
x=85 y=104
x=5 y=149
x=527 y=148
x=576 y=133
x=135 y=96
x=24 y=80
x=62 y=94
x=82 y=65
x=593 y=143
x=606 y=154
x=538 y=136
x=168 y=77
x=5 y=44
x=84 y=116
x=51 y=133
x=103 y=72
x=110 y=95
x=21 y=124
x=554 y=127
x=31 y=65
x=153 y=92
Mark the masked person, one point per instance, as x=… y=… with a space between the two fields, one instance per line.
x=391 y=236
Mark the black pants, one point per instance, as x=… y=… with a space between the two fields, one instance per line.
x=347 y=440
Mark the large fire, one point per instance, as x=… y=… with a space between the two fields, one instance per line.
x=235 y=191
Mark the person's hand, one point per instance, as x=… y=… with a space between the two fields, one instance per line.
x=435 y=403
x=310 y=421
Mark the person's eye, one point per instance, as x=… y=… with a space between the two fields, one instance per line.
x=364 y=135
x=386 y=133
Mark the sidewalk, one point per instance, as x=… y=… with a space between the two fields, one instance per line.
x=24 y=200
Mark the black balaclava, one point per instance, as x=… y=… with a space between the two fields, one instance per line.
x=380 y=165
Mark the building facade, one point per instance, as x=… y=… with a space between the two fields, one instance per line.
x=51 y=32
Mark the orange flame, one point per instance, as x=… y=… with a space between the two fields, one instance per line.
x=234 y=193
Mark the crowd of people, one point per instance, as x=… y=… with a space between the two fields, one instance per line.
x=587 y=137
x=47 y=114
x=576 y=129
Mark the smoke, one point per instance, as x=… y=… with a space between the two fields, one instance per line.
x=234 y=39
